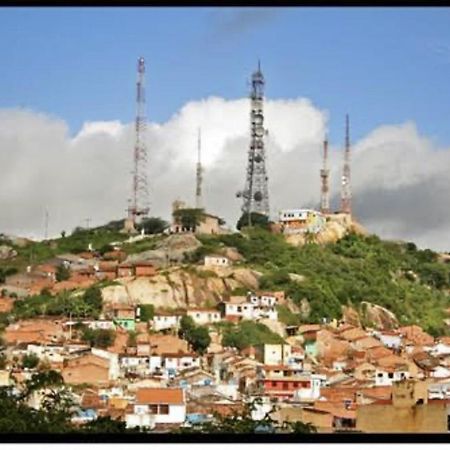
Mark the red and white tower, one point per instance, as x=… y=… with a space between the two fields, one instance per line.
x=324 y=176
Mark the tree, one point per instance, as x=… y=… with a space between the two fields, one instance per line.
x=257 y=220
x=93 y=298
x=189 y=218
x=30 y=361
x=153 y=225
x=98 y=338
x=63 y=234
x=62 y=273
x=187 y=324
x=199 y=339
x=147 y=312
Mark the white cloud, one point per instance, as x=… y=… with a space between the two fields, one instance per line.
x=400 y=184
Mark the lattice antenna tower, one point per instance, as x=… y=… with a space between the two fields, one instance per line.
x=346 y=192
x=324 y=176
x=139 y=206
x=199 y=172
x=256 y=193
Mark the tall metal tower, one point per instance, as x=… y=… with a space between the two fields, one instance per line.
x=324 y=175
x=199 y=172
x=346 y=192
x=139 y=203
x=256 y=193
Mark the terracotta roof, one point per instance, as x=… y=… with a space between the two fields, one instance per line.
x=209 y=310
x=171 y=396
x=308 y=327
x=368 y=342
x=352 y=334
x=143 y=264
x=376 y=353
x=336 y=409
x=237 y=299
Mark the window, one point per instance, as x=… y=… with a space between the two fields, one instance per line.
x=274 y=384
x=391 y=375
x=164 y=409
x=197 y=315
x=295 y=384
x=153 y=409
x=285 y=385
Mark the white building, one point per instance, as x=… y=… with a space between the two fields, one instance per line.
x=203 y=316
x=165 y=321
x=114 y=367
x=295 y=221
x=313 y=391
x=252 y=307
x=216 y=261
x=155 y=406
x=389 y=339
x=273 y=354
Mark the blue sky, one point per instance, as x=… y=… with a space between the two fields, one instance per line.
x=382 y=65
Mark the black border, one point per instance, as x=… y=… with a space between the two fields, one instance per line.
x=163 y=438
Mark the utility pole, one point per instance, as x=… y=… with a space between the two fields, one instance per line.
x=46 y=224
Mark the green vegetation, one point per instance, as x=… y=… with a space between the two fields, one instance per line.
x=147 y=312
x=286 y=316
x=62 y=273
x=55 y=413
x=256 y=219
x=197 y=336
x=153 y=225
x=189 y=217
x=87 y=305
x=6 y=272
x=409 y=282
x=248 y=333
x=98 y=338
x=30 y=361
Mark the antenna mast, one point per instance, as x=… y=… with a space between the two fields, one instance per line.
x=255 y=194
x=139 y=205
x=199 y=172
x=324 y=175
x=346 y=193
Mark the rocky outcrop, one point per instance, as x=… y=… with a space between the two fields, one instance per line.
x=170 y=250
x=377 y=316
x=180 y=288
x=336 y=227
x=275 y=326
x=7 y=252
x=351 y=316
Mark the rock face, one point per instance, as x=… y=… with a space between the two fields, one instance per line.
x=179 y=288
x=337 y=226
x=380 y=317
x=275 y=326
x=351 y=316
x=171 y=249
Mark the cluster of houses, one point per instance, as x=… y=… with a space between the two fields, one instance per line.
x=337 y=376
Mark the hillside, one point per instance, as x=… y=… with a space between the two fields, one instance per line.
x=348 y=275
x=355 y=271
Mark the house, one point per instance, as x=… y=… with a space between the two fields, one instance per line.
x=125 y=270
x=204 y=316
x=115 y=255
x=157 y=406
x=125 y=316
x=107 y=270
x=144 y=269
x=88 y=368
x=273 y=354
x=208 y=224
x=216 y=261
x=389 y=339
x=295 y=221
x=165 y=321
x=172 y=363
x=250 y=307
x=38 y=331
x=409 y=411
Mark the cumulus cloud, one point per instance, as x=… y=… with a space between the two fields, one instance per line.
x=400 y=184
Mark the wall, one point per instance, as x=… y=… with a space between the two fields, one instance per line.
x=376 y=418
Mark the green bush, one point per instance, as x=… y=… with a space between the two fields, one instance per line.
x=248 y=333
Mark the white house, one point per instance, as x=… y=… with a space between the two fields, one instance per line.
x=216 y=261
x=252 y=307
x=155 y=406
x=52 y=353
x=114 y=367
x=389 y=339
x=172 y=363
x=313 y=391
x=204 y=316
x=165 y=321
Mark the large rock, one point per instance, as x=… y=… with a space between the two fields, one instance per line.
x=275 y=326
x=179 y=288
x=351 y=316
x=381 y=318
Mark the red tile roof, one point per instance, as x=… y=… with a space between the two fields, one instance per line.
x=171 y=396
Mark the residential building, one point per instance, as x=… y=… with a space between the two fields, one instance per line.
x=216 y=261
x=204 y=316
x=165 y=321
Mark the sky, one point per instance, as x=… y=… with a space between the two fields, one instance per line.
x=67 y=103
